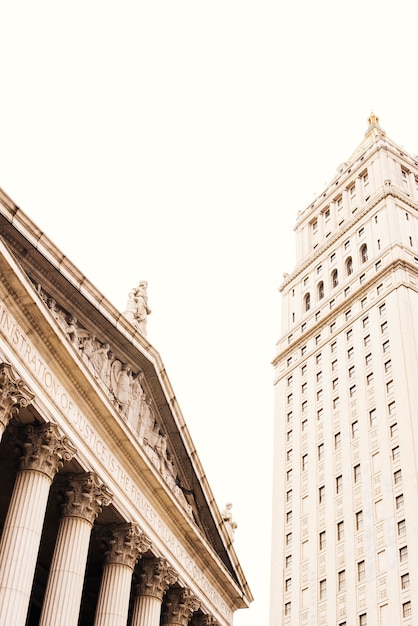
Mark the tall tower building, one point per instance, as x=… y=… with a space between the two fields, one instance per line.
x=345 y=511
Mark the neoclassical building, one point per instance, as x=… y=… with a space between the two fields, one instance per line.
x=345 y=531
x=106 y=514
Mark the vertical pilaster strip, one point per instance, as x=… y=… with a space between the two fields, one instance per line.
x=84 y=498
x=14 y=394
x=156 y=577
x=43 y=454
x=125 y=545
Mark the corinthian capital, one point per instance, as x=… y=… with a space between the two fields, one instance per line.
x=43 y=448
x=85 y=496
x=156 y=577
x=125 y=543
x=205 y=620
x=179 y=606
x=14 y=394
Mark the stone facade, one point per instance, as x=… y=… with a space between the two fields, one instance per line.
x=106 y=514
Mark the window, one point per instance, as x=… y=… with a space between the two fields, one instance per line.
x=363 y=253
x=304 y=387
x=399 y=501
x=290 y=337
x=341 y=580
x=361 y=571
x=365 y=322
x=379 y=289
x=366 y=340
x=315 y=226
x=318 y=358
x=288 y=584
x=349 y=333
x=303 y=327
x=319 y=413
x=332 y=326
x=318 y=338
x=332 y=304
x=401 y=528
x=389 y=386
x=333 y=347
x=289 y=474
x=378 y=265
x=322 y=589
x=332 y=257
x=303 y=370
x=395 y=453
x=335 y=402
x=363 y=302
x=288 y=560
x=388 y=366
x=290 y=381
x=322 y=540
x=369 y=378
x=334 y=278
x=320 y=290
x=354 y=429
x=317 y=315
x=348 y=314
x=362 y=279
x=405 y=581
x=339 y=484
x=306 y=281
x=350 y=353
x=397 y=477
x=384 y=327
x=307 y=301
x=319 y=269
x=362 y=619
x=288 y=539
x=340 y=531
x=347 y=245
x=289 y=398
x=289 y=495
x=334 y=365
x=319 y=376
x=303 y=350
x=287 y=608
x=304 y=406
x=368 y=359
x=289 y=516
x=403 y=554
x=372 y=417
x=352 y=391
x=359 y=520
x=304 y=462
x=335 y=383
x=289 y=455
x=304 y=425
x=357 y=473
x=392 y=408
x=289 y=361
x=319 y=394
x=361 y=232
x=321 y=494
x=337 y=441
x=351 y=371
x=349 y=266
x=321 y=452
x=289 y=417
x=346 y=291
x=406 y=609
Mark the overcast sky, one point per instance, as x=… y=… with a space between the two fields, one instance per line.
x=175 y=141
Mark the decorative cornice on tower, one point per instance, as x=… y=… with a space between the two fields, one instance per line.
x=125 y=544
x=85 y=496
x=156 y=577
x=179 y=606
x=43 y=448
x=14 y=394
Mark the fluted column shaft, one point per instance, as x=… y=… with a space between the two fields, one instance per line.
x=43 y=454
x=84 y=498
x=156 y=576
x=125 y=546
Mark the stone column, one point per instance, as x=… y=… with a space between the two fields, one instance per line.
x=179 y=606
x=43 y=454
x=205 y=620
x=14 y=394
x=156 y=577
x=125 y=545
x=84 y=497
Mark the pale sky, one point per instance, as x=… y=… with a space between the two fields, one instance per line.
x=175 y=141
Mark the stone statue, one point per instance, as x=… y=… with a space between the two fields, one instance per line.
x=229 y=523
x=137 y=307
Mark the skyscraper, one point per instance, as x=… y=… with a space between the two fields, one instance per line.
x=345 y=511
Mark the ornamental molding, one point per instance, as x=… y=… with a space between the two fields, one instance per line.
x=14 y=394
x=156 y=577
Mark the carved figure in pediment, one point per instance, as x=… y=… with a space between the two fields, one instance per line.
x=137 y=308
x=100 y=360
x=121 y=383
x=147 y=421
x=137 y=398
x=72 y=331
x=52 y=306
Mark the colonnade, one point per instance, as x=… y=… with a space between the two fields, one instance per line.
x=43 y=451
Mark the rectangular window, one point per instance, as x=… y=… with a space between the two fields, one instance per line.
x=382 y=309
x=406 y=609
x=362 y=619
x=289 y=417
x=289 y=398
x=386 y=347
x=397 y=477
x=319 y=376
x=290 y=381
x=401 y=528
x=304 y=406
x=303 y=370
x=361 y=571
x=405 y=581
x=372 y=417
x=369 y=378
x=366 y=340
x=289 y=495
x=337 y=441
x=304 y=425
x=321 y=494
x=359 y=520
x=350 y=353
x=289 y=474
x=318 y=358
x=362 y=279
x=357 y=473
x=379 y=289
x=335 y=402
x=333 y=347
x=389 y=386
x=378 y=265
x=289 y=539
x=335 y=383
x=368 y=359
x=321 y=453
x=319 y=269
x=319 y=413
x=318 y=338
x=351 y=371
x=304 y=387
x=392 y=408
x=346 y=291
x=384 y=327
x=394 y=430
x=289 y=516
x=354 y=429
x=348 y=314
x=352 y=391
x=388 y=366
x=287 y=608
x=288 y=584
x=304 y=462
x=399 y=502
x=322 y=589
x=395 y=453
x=365 y=322
x=363 y=302
x=288 y=560
x=289 y=361
x=341 y=580
x=349 y=333
x=361 y=232
x=332 y=327
x=339 y=484
x=319 y=394
x=340 y=531
x=403 y=554
x=334 y=365
x=322 y=540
